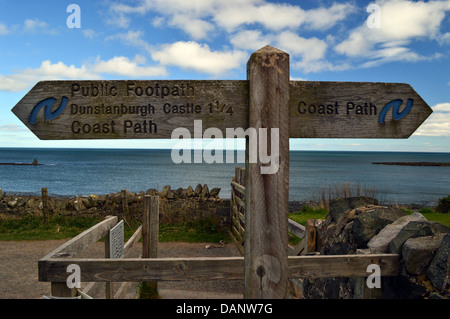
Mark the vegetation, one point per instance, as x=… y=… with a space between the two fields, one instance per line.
x=32 y=227
x=148 y=290
x=343 y=190
x=309 y=212
x=444 y=205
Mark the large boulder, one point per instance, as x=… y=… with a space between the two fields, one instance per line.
x=380 y=243
x=411 y=230
x=439 y=269
x=341 y=206
x=418 y=252
x=371 y=221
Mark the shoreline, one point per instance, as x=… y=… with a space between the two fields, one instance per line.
x=413 y=163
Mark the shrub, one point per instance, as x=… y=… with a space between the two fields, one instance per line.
x=444 y=205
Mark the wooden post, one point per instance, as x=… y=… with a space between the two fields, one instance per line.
x=267 y=195
x=311 y=236
x=150 y=234
x=109 y=287
x=126 y=211
x=60 y=289
x=45 y=211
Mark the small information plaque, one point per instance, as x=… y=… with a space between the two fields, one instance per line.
x=116 y=239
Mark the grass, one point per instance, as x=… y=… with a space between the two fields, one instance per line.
x=193 y=232
x=32 y=227
x=432 y=215
x=319 y=213
x=308 y=212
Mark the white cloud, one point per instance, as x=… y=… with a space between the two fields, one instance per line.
x=47 y=71
x=3 y=29
x=133 y=38
x=196 y=28
x=125 y=67
x=34 y=25
x=250 y=40
x=438 y=123
x=402 y=22
x=308 y=49
x=198 y=57
x=24 y=79
x=90 y=34
x=200 y=18
x=326 y=18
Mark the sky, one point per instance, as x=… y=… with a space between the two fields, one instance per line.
x=362 y=41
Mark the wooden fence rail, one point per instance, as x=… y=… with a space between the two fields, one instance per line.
x=53 y=267
x=207 y=268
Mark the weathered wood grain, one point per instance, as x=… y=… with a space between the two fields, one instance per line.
x=93 y=288
x=330 y=110
x=84 y=240
x=342 y=265
x=267 y=196
x=221 y=104
x=207 y=268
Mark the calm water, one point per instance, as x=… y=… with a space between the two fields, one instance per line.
x=101 y=171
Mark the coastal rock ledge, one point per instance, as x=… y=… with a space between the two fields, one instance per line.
x=359 y=225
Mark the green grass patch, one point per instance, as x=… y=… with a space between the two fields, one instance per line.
x=431 y=215
x=148 y=290
x=193 y=232
x=32 y=227
x=308 y=212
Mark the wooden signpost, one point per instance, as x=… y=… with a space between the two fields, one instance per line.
x=298 y=109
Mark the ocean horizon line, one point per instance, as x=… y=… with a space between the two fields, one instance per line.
x=219 y=149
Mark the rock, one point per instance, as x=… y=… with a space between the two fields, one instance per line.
x=371 y=221
x=13 y=203
x=190 y=191
x=418 y=252
x=117 y=198
x=170 y=194
x=343 y=205
x=380 y=242
x=79 y=204
x=205 y=191
x=93 y=200
x=198 y=189
x=411 y=230
x=215 y=191
x=439 y=228
x=165 y=191
x=439 y=269
x=30 y=203
x=102 y=199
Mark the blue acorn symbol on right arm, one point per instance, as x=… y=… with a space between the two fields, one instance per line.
x=395 y=105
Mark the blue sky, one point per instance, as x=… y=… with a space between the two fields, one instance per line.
x=208 y=39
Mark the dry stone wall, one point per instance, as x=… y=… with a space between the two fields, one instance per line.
x=360 y=225
x=176 y=206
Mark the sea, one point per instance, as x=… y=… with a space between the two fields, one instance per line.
x=81 y=172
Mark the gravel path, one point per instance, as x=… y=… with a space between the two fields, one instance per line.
x=19 y=270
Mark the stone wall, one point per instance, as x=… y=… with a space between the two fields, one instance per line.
x=360 y=226
x=176 y=206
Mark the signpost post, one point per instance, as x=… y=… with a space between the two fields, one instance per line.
x=58 y=110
